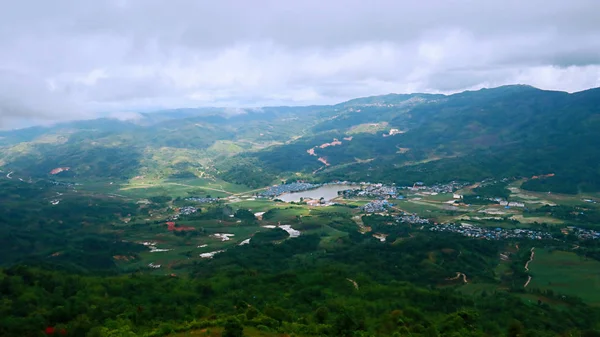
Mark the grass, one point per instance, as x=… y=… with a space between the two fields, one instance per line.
x=333 y=209
x=184 y=249
x=287 y=214
x=526 y=219
x=368 y=128
x=179 y=188
x=439 y=197
x=358 y=203
x=258 y=205
x=566 y=273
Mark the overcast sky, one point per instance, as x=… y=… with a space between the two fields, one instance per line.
x=74 y=59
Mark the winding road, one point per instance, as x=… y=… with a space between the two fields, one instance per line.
x=458 y=275
x=530 y=259
x=527 y=267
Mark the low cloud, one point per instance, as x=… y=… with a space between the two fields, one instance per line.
x=126 y=116
x=25 y=99
x=63 y=60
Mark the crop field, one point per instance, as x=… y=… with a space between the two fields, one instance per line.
x=179 y=188
x=529 y=219
x=258 y=205
x=566 y=273
x=438 y=197
x=357 y=203
x=287 y=214
x=173 y=249
x=334 y=209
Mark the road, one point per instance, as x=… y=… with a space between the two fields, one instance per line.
x=527 y=267
x=458 y=275
x=530 y=259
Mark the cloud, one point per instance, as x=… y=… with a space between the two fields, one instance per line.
x=26 y=97
x=125 y=116
x=63 y=59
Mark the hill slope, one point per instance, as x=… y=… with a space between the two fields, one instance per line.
x=507 y=131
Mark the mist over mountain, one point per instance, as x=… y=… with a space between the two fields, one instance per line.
x=489 y=133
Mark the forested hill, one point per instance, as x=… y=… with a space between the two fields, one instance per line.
x=501 y=132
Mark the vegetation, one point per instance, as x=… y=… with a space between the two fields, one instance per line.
x=291 y=287
x=511 y=131
x=112 y=246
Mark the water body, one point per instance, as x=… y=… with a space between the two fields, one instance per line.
x=326 y=192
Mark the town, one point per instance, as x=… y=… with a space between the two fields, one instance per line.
x=503 y=233
x=206 y=200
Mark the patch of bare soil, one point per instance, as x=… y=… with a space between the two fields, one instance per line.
x=335 y=142
x=59 y=170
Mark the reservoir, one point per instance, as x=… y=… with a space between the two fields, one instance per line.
x=326 y=192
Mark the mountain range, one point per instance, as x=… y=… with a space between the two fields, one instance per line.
x=509 y=131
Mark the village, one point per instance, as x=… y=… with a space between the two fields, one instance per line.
x=207 y=200
x=498 y=233
x=490 y=233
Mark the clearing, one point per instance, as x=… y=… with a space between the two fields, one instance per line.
x=566 y=273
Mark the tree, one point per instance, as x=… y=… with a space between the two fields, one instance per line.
x=321 y=315
x=233 y=328
x=515 y=329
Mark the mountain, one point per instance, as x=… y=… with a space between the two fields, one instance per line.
x=501 y=132
x=507 y=131
x=155 y=225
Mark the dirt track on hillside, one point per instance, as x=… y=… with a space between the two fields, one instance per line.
x=530 y=259
x=527 y=267
x=458 y=275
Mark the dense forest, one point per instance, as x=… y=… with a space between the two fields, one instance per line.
x=512 y=131
x=361 y=288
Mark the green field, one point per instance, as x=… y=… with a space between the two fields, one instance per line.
x=566 y=273
x=180 y=187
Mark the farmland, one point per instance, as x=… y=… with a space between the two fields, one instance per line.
x=566 y=273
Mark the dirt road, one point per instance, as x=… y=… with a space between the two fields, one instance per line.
x=527 y=267
x=530 y=259
x=458 y=275
x=353 y=283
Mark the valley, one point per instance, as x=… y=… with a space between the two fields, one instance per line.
x=406 y=196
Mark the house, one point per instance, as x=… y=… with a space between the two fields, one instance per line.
x=313 y=202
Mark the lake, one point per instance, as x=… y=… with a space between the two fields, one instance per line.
x=326 y=192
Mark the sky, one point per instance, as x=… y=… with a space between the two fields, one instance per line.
x=63 y=60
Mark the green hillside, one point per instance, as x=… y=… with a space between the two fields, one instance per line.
x=511 y=131
x=492 y=133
